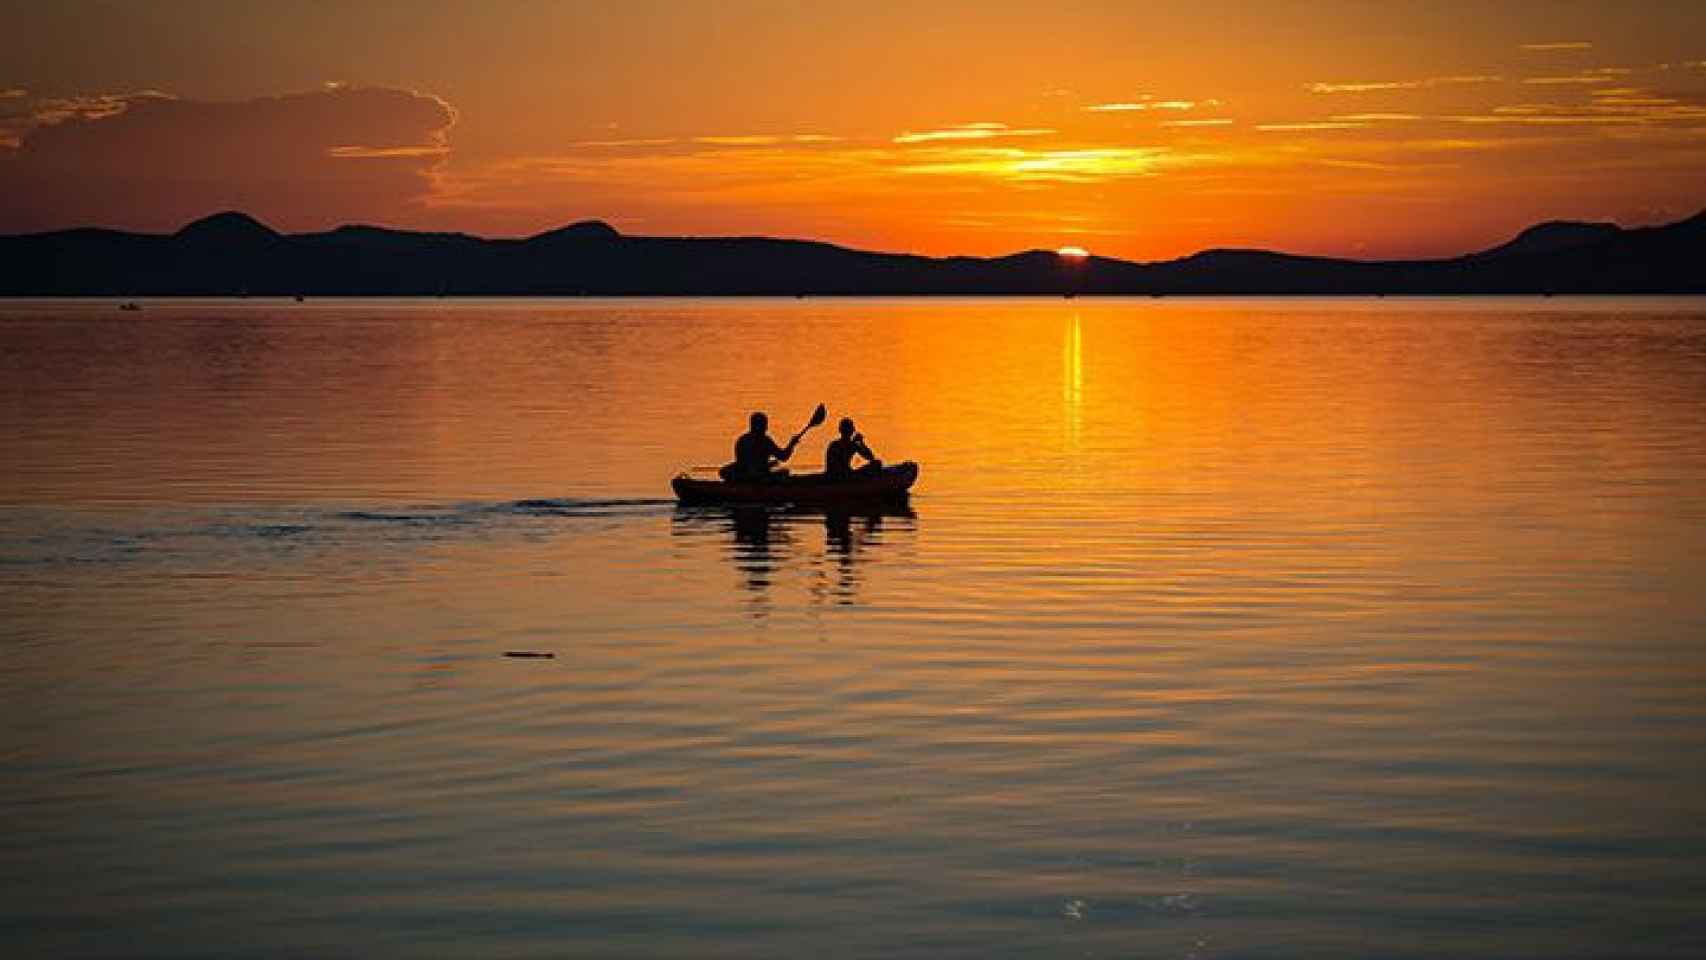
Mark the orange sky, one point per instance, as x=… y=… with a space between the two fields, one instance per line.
x=1141 y=130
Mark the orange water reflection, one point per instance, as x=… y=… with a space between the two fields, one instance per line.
x=760 y=541
x=1209 y=613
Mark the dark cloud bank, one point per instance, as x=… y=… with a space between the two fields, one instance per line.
x=151 y=161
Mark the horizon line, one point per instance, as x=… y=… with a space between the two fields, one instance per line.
x=605 y=225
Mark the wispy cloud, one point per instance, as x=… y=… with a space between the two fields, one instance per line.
x=630 y=142
x=1374 y=86
x=1630 y=97
x=971 y=131
x=739 y=140
x=1460 y=145
x=1629 y=107
x=1145 y=105
x=387 y=153
x=1357 y=164
x=712 y=140
x=1061 y=166
x=1648 y=107
x=54 y=110
x=1632 y=100
x=793 y=173
x=1204 y=122
x=1374 y=117
x=1578 y=79
x=1559 y=45
x=1542 y=120
x=1310 y=125
x=1363 y=86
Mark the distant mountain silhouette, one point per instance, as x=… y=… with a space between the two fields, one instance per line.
x=228 y=229
x=1551 y=236
x=232 y=253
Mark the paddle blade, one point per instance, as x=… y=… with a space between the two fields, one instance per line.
x=818 y=416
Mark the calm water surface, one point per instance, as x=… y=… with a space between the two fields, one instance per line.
x=1214 y=629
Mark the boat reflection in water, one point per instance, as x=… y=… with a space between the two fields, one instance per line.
x=768 y=544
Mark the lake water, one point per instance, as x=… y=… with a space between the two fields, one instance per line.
x=1262 y=628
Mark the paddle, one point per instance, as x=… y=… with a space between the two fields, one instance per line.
x=818 y=416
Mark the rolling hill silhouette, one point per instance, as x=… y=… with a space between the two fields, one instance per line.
x=232 y=253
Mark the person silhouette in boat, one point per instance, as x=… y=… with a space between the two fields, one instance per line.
x=838 y=457
x=754 y=452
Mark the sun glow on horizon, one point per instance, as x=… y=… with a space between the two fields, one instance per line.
x=1073 y=253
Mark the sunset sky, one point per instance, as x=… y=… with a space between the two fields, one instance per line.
x=1140 y=130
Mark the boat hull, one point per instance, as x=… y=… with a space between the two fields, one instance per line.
x=812 y=488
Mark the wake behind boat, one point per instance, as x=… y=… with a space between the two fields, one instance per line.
x=889 y=483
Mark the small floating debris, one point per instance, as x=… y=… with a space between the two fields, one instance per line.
x=1074 y=909
x=1185 y=903
x=531 y=654
x=129 y=306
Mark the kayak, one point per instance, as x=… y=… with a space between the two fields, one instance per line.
x=887 y=483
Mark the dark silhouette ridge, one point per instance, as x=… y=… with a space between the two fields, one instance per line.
x=1553 y=236
x=584 y=232
x=229 y=227
x=232 y=253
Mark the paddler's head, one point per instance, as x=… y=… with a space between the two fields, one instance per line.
x=846 y=426
x=760 y=422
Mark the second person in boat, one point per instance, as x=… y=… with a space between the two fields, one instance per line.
x=838 y=457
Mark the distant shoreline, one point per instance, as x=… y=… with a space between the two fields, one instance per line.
x=454 y=299
x=233 y=255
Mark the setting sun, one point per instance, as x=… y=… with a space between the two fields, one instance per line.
x=1073 y=253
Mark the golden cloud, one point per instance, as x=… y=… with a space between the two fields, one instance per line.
x=1373 y=86
x=1062 y=165
x=1145 y=104
x=1577 y=79
x=1310 y=125
x=971 y=131
x=1362 y=87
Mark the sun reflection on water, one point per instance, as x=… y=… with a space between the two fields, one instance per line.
x=1072 y=382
